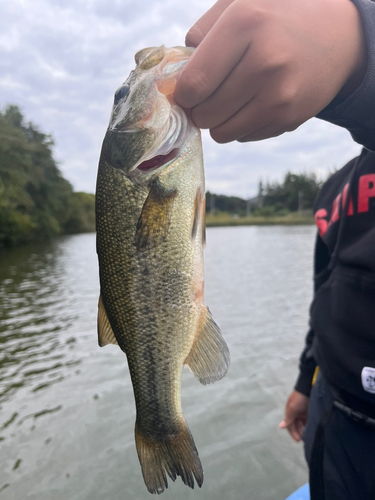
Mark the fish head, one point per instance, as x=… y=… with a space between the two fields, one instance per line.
x=147 y=128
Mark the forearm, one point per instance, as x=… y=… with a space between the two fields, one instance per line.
x=356 y=111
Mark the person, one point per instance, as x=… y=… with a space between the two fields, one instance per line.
x=262 y=68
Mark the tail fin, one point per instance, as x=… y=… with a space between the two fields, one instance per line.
x=176 y=456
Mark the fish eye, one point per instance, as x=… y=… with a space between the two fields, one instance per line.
x=121 y=92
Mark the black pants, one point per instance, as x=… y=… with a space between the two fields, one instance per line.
x=349 y=449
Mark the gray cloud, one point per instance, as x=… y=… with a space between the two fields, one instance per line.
x=61 y=62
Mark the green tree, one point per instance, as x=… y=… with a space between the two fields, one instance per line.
x=35 y=200
x=298 y=191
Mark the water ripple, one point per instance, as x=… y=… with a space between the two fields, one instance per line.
x=39 y=307
x=67 y=409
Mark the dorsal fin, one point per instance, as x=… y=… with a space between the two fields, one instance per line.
x=105 y=332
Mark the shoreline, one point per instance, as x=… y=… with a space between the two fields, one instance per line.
x=287 y=220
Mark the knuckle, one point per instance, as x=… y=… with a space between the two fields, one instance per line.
x=285 y=106
x=280 y=60
x=249 y=17
x=287 y=97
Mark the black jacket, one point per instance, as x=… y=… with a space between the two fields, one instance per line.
x=341 y=339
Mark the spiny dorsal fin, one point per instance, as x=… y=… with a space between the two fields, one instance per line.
x=149 y=57
x=153 y=223
x=105 y=332
x=209 y=356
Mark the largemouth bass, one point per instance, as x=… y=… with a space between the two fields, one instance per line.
x=150 y=216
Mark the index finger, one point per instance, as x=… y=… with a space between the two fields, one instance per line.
x=218 y=53
x=200 y=29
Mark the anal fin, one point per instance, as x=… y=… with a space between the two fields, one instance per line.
x=105 y=332
x=209 y=357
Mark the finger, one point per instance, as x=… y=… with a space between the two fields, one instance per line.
x=250 y=120
x=200 y=29
x=294 y=429
x=264 y=133
x=236 y=90
x=294 y=433
x=300 y=426
x=202 y=74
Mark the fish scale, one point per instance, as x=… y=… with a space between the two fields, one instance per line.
x=150 y=238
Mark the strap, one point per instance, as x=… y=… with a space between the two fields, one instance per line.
x=317 y=491
x=357 y=416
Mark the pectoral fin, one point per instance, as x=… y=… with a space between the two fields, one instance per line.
x=105 y=332
x=153 y=223
x=199 y=217
x=202 y=213
x=209 y=356
x=197 y=202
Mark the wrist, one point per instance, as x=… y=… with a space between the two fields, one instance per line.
x=357 y=59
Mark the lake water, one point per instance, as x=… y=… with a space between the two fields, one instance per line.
x=66 y=406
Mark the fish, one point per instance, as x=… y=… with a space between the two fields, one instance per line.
x=150 y=222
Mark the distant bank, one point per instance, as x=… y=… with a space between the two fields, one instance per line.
x=37 y=202
x=291 y=219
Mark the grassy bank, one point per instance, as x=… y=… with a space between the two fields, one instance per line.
x=225 y=219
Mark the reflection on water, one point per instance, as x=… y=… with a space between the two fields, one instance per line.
x=66 y=406
x=33 y=312
x=40 y=307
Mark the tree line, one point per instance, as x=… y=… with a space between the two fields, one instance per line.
x=295 y=192
x=35 y=200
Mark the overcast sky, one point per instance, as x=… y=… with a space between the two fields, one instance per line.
x=62 y=60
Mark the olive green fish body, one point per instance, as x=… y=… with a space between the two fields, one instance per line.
x=150 y=239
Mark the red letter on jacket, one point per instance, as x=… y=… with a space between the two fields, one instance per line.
x=366 y=190
x=321 y=223
x=335 y=209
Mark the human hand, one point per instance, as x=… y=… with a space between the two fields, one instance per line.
x=295 y=415
x=264 y=67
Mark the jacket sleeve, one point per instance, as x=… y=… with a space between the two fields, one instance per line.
x=307 y=367
x=307 y=363
x=357 y=112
